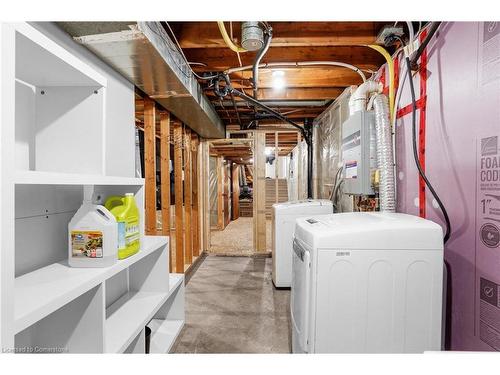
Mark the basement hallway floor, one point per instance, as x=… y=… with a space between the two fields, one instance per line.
x=233 y=307
x=237 y=238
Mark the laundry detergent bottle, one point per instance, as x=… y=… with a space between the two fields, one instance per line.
x=126 y=213
x=92 y=236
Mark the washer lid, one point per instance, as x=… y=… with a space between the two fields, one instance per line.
x=305 y=206
x=369 y=230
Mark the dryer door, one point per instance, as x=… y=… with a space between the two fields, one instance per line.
x=301 y=268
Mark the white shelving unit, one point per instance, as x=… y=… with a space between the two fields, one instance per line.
x=52 y=148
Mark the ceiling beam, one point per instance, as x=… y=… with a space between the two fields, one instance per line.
x=299 y=34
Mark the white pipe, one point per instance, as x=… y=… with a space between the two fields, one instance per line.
x=357 y=101
x=299 y=64
x=411 y=31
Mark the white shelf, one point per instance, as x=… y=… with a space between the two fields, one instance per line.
x=163 y=334
x=128 y=316
x=45 y=63
x=41 y=292
x=28 y=177
x=175 y=280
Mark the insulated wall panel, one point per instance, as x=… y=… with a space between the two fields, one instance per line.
x=327 y=138
x=461 y=160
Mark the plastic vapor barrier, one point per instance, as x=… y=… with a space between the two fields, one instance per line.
x=327 y=145
x=302 y=177
x=212 y=189
x=293 y=171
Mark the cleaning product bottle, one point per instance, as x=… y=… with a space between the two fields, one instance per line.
x=92 y=236
x=127 y=215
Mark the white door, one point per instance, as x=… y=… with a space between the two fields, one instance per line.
x=301 y=283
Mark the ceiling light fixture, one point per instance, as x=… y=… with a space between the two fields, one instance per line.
x=278 y=79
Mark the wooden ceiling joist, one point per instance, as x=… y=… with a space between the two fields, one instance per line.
x=344 y=42
x=207 y=34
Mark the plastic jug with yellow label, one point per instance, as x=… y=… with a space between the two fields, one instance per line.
x=126 y=213
x=92 y=237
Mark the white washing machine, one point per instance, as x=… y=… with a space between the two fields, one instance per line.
x=283 y=225
x=366 y=283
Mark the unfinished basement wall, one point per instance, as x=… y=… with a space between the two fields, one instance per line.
x=462 y=134
x=119 y=114
x=327 y=138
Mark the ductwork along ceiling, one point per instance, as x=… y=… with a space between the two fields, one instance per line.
x=145 y=55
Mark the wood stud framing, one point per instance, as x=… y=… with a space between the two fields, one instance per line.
x=259 y=191
x=205 y=192
x=236 y=190
x=165 y=175
x=220 y=193
x=150 y=164
x=188 y=198
x=195 y=220
x=190 y=165
x=179 y=209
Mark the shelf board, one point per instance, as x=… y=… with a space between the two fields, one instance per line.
x=126 y=318
x=163 y=334
x=41 y=292
x=175 y=279
x=54 y=178
x=46 y=63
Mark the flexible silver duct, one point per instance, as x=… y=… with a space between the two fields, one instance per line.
x=384 y=154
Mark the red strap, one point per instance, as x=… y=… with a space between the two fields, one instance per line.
x=421 y=134
x=396 y=72
x=406 y=110
x=382 y=76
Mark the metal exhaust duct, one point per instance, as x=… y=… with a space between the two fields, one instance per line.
x=144 y=54
x=252 y=36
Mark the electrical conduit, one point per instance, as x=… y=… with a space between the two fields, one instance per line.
x=258 y=58
x=298 y=64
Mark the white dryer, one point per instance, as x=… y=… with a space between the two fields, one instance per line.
x=366 y=282
x=283 y=225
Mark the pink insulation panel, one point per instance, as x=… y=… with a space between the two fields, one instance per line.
x=462 y=152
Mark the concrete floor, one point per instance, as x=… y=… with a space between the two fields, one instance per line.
x=233 y=307
x=237 y=238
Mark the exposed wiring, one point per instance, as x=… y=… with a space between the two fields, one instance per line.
x=231 y=35
x=390 y=65
x=336 y=182
x=255 y=68
x=184 y=56
x=173 y=50
x=192 y=63
x=228 y=40
x=410 y=31
x=300 y=64
x=415 y=153
x=432 y=30
x=419 y=27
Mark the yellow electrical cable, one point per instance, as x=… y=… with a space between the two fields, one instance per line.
x=227 y=39
x=390 y=65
